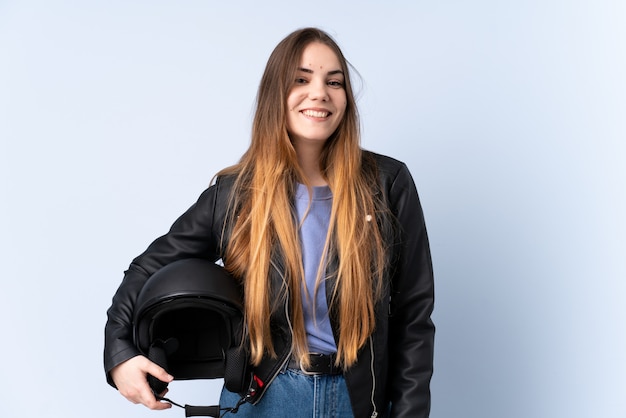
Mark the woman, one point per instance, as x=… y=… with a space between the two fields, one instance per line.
x=330 y=245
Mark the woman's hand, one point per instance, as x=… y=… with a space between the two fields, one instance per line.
x=130 y=378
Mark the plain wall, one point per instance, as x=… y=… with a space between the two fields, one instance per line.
x=115 y=115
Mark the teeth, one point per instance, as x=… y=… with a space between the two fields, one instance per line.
x=315 y=113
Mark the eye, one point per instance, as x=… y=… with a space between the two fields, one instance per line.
x=301 y=80
x=335 y=84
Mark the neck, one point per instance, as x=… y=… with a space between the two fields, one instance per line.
x=309 y=161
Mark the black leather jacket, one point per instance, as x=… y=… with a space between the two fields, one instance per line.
x=393 y=369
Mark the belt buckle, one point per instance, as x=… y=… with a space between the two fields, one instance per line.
x=308 y=373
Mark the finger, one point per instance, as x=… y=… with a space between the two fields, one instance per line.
x=155 y=404
x=147 y=398
x=158 y=372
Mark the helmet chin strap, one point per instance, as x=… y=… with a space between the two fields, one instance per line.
x=206 y=411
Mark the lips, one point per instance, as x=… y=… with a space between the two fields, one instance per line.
x=316 y=113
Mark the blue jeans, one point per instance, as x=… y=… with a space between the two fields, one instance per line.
x=294 y=394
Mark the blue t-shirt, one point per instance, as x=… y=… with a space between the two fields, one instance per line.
x=313 y=230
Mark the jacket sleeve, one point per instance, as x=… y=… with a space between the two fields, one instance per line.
x=195 y=234
x=411 y=330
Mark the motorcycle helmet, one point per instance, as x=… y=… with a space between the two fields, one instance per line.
x=188 y=319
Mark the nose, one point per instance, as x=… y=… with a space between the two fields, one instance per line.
x=318 y=90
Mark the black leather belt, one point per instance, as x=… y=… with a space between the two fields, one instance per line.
x=320 y=364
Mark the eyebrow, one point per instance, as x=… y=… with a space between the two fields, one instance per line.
x=308 y=70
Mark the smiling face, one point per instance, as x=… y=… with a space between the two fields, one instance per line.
x=317 y=100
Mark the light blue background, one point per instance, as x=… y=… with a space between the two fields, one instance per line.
x=114 y=116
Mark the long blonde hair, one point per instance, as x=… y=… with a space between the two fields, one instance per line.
x=264 y=230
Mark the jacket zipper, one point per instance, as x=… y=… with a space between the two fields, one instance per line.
x=374 y=412
x=286 y=359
